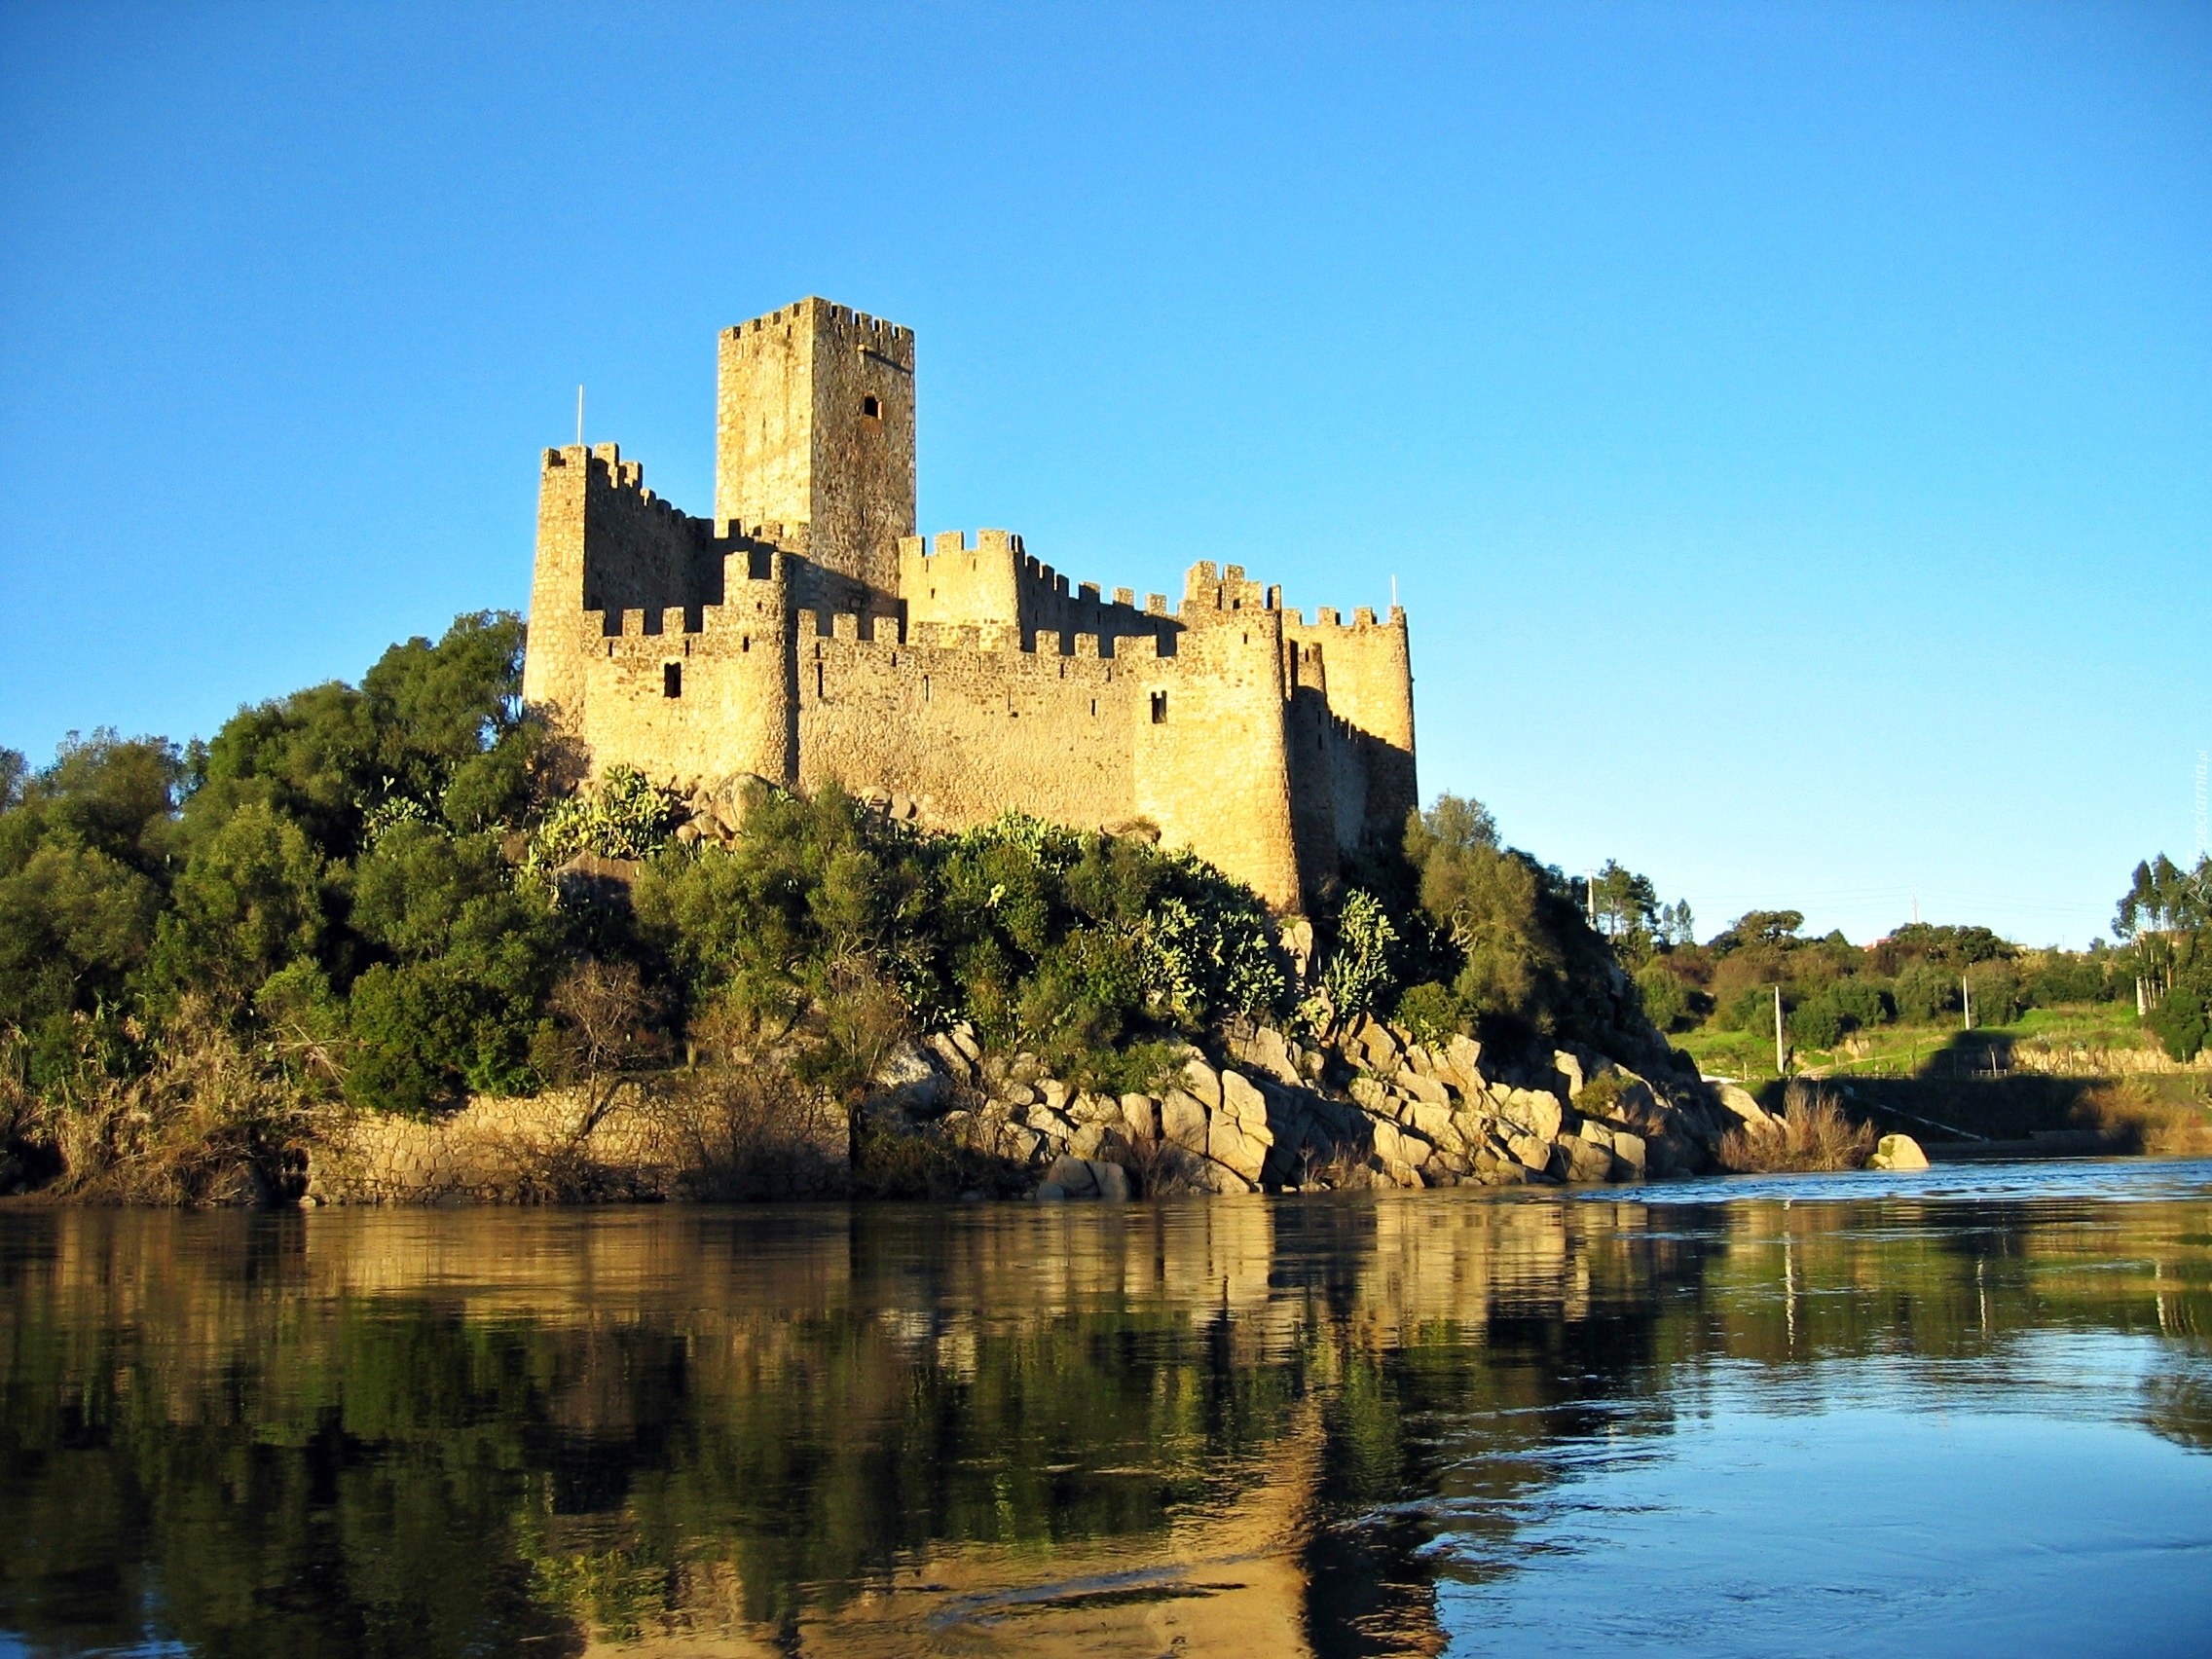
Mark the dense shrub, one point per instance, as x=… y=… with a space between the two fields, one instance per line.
x=1430 y=1013
x=824 y=916
x=1996 y=991
x=1925 y=992
x=1812 y=1131
x=1860 y=1002
x=2182 y=1019
x=1665 y=997
x=1512 y=944
x=1816 y=1022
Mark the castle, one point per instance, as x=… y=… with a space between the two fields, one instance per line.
x=806 y=633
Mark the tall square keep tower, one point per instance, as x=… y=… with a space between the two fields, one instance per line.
x=814 y=425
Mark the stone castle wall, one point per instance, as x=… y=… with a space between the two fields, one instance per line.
x=804 y=634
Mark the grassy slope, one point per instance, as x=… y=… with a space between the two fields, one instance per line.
x=1900 y=1075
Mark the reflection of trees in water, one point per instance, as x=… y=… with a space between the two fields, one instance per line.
x=450 y=1432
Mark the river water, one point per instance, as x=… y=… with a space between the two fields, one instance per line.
x=1963 y=1412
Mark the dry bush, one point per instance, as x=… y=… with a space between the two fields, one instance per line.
x=750 y=1131
x=1158 y=1168
x=2135 y=1115
x=210 y=1122
x=1812 y=1133
x=604 y=1024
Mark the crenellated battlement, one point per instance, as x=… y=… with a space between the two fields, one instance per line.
x=1329 y=617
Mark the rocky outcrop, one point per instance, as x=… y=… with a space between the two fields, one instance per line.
x=1374 y=1109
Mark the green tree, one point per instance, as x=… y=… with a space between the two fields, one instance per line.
x=248 y=901
x=1760 y=927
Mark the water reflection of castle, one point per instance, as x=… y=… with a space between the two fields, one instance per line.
x=1003 y=1429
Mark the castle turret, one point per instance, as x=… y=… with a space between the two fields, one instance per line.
x=815 y=425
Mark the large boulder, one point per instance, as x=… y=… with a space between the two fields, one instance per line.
x=1242 y=1100
x=1465 y=1057
x=1422 y=1087
x=1630 y=1157
x=1578 y=1160
x=1202 y=1083
x=1239 y=1146
x=1074 y=1176
x=1897 y=1151
x=1183 y=1119
x=1268 y=1051
x=908 y=1079
x=1113 y=1182
x=1372 y=1095
x=1738 y=1103
x=1535 y=1110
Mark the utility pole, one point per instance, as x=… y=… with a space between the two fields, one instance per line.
x=2204 y=804
x=1780 y=1057
x=1966 y=1002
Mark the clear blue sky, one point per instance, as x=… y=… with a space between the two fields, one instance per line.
x=1791 y=428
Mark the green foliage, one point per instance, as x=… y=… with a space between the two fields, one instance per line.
x=427 y=1031
x=626 y=817
x=1925 y=993
x=1816 y=1022
x=1522 y=958
x=1665 y=999
x=1996 y=992
x=1861 y=1002
x=439 y=725
x=1954 y=947
x=2182 y=1019
x=248 y=901
x=1431 y=1012
x=2069 y=976
x=1750 y=1010
x=826 y=916
x=1356 y=973
x=1760 y=927
x=2165 y=899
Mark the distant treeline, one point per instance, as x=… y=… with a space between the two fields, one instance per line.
x=1921 y=973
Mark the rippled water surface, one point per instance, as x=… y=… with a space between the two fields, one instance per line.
x=1966 y=1412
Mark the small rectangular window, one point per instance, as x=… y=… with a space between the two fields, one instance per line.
x=1159 y=708
x=672 y=679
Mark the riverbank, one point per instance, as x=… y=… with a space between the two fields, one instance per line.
x=1260 y=1112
